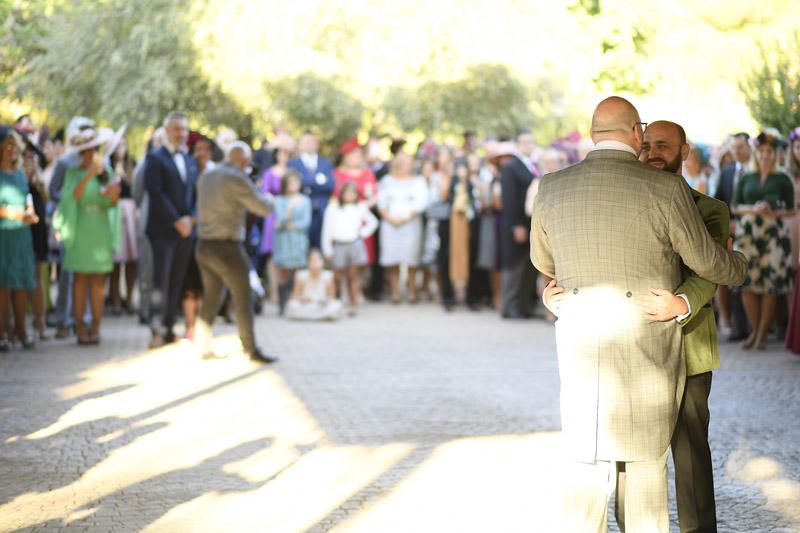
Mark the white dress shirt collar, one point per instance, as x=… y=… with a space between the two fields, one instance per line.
x=615 y=145
x=310 y=160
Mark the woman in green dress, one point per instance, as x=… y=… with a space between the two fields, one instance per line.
x=87 y=221
x=762 y=202
x=17 y=270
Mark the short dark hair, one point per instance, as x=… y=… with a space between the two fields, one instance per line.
x=742 y=135
x=347 y=186
x=521 y=132
x=681 y=133
x=291 y=173
x=22 y=117
x=173 y=116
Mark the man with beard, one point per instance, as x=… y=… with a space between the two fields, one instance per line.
x=665 y=147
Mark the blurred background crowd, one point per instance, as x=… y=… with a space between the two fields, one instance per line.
x=380 y=219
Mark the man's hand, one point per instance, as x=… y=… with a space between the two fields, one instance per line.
x=730 y=244
x=661 y=305
x=184 y=226
x=520 y=234
x=553 y=296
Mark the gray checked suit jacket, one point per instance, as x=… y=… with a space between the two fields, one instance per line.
x=609 y=229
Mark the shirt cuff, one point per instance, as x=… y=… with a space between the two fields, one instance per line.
x=681 y=318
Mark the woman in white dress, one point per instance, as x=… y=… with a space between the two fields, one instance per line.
x=402 y=199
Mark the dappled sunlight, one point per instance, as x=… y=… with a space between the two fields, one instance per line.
x=597 y=314
x=499 y=483
x=312 y=486
x=176 y=412
x=782 y=494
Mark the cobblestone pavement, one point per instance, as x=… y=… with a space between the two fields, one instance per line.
x=403 y=419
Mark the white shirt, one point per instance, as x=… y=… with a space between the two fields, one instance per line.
x=177 y=157
x=346 y=224
x=615 y=145
x=310 y=161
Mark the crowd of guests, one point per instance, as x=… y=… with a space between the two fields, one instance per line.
x=80 y=218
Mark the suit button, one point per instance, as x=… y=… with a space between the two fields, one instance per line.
x=629 y=294
x=574 y=291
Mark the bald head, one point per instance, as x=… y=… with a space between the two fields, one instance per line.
x=664 y=146
x=615 y=119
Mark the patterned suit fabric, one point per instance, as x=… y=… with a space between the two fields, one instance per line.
x=608 y=230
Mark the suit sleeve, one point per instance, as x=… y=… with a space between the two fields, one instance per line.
x=57 y=181
x=541 y=253
x=699 y=291
x=697 y=249
x=153 y=180
x=254 y=201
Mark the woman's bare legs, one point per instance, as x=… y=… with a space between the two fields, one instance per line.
x=752 y=307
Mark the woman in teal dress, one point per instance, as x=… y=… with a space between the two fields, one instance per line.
x=88 y=222
x=17 y=265
x=762 y=202
x=292 y=220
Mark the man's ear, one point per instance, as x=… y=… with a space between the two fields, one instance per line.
x=685 y=149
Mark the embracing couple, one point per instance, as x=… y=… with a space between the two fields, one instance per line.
x=634 y=255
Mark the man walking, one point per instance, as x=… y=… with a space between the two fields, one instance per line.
x=609 y=230
x=224 y=196
x=170 y=175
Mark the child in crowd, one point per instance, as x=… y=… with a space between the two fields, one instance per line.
x=345 y=226
x=292 y=220
x=314 y=294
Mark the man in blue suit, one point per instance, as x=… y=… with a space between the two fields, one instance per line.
x=170 y=175
x=317 y=182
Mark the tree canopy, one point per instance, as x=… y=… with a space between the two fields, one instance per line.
x=411 y=67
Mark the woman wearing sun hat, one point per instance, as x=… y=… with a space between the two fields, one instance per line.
x=88 y=221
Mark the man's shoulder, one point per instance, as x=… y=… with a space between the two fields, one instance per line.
x=709 y=205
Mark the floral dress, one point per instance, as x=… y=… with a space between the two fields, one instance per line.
x=765 y=240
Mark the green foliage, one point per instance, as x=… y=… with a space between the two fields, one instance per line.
x=772 y=87
x=488 y=99
x=121 y=61
x=317 y=104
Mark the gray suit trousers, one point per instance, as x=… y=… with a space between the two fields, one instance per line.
x=225 y=264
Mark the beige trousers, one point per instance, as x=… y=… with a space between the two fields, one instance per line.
x=588 y=487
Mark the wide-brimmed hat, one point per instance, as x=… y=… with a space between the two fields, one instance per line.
x=495 y=150
x=113 y=143
x=90 y=138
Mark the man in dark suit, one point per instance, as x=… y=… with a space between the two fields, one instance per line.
x=518 y=275
x=729 y=299
x=170 y=175
x=316 y=174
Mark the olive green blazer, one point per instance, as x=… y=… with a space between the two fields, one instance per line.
x=700 y=343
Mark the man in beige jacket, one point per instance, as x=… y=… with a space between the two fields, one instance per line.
x=609 y=230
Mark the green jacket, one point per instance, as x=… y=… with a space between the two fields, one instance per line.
x=700 y=344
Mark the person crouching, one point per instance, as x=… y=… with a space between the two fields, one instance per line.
x=314 y=294
x=224 y=196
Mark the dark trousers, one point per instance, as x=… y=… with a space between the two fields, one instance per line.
x=443 y=264
x=694 y=476
x=225 y=264
x=740 y=326
x=170 y=263
x=519 y=288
